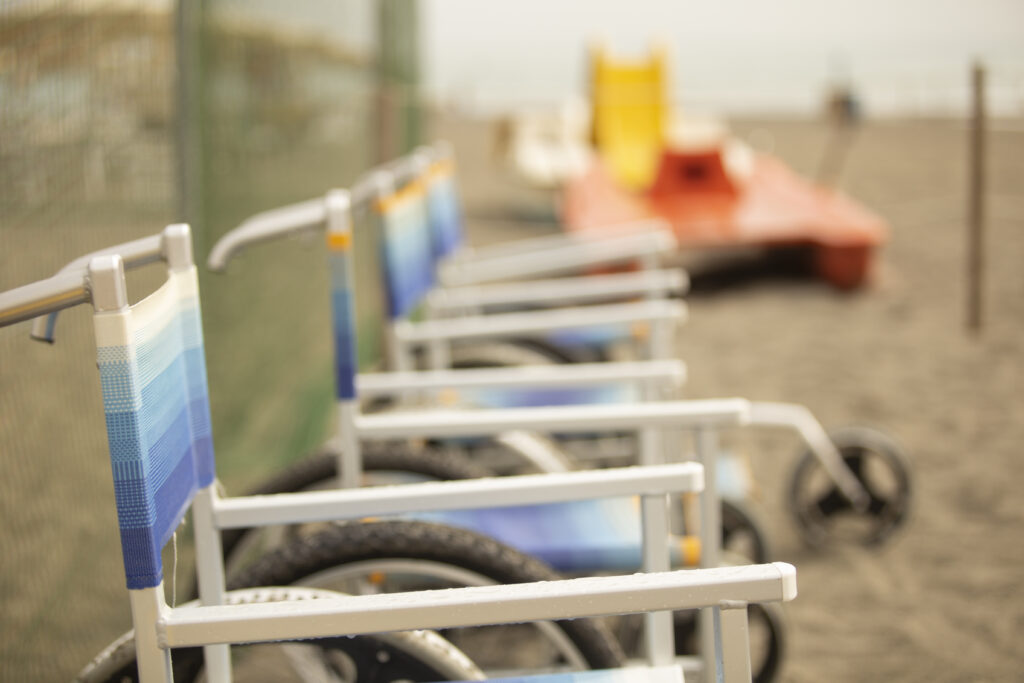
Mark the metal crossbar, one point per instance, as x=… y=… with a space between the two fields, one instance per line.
x=314 y=506
x=670 y=372
x=477 y=606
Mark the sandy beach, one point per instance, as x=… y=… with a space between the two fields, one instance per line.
x=941 y=601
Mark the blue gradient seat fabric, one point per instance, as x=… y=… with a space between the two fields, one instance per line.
x=578 y=536
x=153 y=375
x=595 y=337
x=619 y=392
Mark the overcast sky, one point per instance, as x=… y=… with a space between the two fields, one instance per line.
x=728 y=54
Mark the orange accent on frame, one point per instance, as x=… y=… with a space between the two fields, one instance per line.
x=339 y=241
x=411 y=191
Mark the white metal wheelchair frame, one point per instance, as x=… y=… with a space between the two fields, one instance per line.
x=723 y=592
x=444 y=324
x=656 y=378
x=313 y=215
x=353 y=427
x=642 y=243
x=527 y=258
x=335 y=213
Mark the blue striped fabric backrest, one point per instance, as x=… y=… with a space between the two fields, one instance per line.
x=443 y=209
x=153 y=375
x=343 y=315
x=406 y=245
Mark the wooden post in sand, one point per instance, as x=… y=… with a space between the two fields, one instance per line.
x=976 y=201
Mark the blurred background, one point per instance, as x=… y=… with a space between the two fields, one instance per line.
x=120 y=116
x=732 y=56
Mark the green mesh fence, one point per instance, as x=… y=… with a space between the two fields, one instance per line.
x=101 y=142
x=86 y=160
x=285 y=97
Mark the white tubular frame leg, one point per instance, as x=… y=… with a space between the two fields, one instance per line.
x=711 y=543
x=350 y=454
x=153 y=660
x=209 y=565
x=655 y=515
x=660 y=643
x=734 y=646
x=210 y=576
x=649 y=262
x=799 y=418
x=439 y=354
x=399 y=352
x=663 y=332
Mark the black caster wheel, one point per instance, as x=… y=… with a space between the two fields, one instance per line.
x=823 y=515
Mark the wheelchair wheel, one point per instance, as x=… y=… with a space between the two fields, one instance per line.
x=823 y=514
x=379 y=658
x=744 y=533
x=383 y=463
x=516 y=352
x=401 y=555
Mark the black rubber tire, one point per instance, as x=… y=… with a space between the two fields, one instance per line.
x=583 y=353
x=431 y=462
x=514 y=352
x=379 y=658
x=742 y=523
x=768 y=616
x=375 y=661
x=372 y=658
x=343 y=544
x=887 y=511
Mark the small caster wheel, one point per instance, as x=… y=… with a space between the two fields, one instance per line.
x=743 y=531
x=767 y=631
x=824 y=515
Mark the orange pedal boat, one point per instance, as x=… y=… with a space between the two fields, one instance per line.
x=716 y=193
x=707 y=206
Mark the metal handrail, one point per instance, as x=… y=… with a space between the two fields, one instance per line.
x=61 y=291
x=311 y=214
x=70 y=286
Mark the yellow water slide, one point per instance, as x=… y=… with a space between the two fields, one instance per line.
x=630 y=114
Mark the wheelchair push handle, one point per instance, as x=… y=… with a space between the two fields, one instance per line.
x=65 y=289
x=309 y=215
x=286 y=220
x=293 y=219
x=70 y=286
